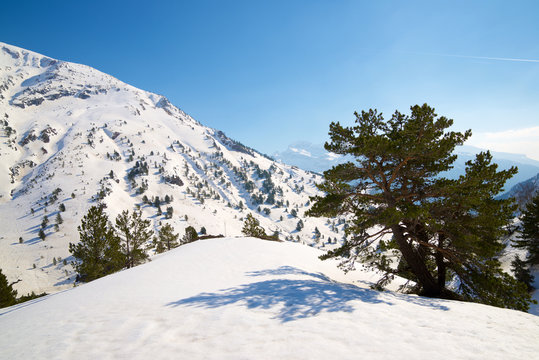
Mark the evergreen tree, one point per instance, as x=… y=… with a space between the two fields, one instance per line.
x=316 y=234
x=529 y=238
x=8 y=296
x=447 y=230
x=251 y=227
x=59 y=219
x=300 y=225
x=42 y=234
x=45 y=221
x=98 y=253
x=170 y=211
x=190 y=235
x=167 y=239
x=62 y=207
x=134 y=232
x=522 y=273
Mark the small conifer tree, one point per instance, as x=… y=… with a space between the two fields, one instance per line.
x=8 y=296
x=167 y=239
x=98 y=252
x=134 y=232
x=251 y=227
x=190 y=235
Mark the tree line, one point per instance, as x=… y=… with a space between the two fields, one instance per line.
x=105 y=248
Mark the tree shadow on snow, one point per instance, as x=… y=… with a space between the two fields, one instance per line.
x=293 y=298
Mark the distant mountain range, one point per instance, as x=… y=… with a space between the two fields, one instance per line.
x=314 y=157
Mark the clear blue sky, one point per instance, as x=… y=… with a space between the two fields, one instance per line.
x=269 y=73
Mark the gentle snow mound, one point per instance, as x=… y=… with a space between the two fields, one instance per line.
x=243 y=298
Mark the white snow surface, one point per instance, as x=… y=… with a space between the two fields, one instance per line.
x=244 y=298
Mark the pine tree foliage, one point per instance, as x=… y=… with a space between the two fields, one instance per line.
x=98 y=252
x=167 y=239
x=134 y=232
x=190 y=235
x=529 y=238
x=8 y=296
x=447 y=231
x=251 y=227
x=522 y=272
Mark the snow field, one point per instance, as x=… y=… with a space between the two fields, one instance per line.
x=244 y=298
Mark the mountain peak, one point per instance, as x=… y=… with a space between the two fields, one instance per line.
x=75 y=136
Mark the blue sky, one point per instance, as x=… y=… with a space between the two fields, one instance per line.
x=269 y=73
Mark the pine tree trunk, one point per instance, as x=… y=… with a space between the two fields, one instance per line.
x=429 y=285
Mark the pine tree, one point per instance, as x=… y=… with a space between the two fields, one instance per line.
x=134 y=232
x=190 y=235
x=529 y=238
x=170 y=211
x=317 y=234
x=98 y=253
x=167 y=239
x=447 y=230
x=42 y=234
x=8 y=296
x=522 y=273
x=251 y=227
x=59 y=219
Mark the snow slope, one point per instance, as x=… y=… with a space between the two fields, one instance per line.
x=71 y=135
x=244 y=298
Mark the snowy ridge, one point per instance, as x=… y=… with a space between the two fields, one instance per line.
x=71 y=135
x=244 y=298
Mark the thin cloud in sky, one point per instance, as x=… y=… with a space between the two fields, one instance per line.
x=520 y=141
x=482 y=57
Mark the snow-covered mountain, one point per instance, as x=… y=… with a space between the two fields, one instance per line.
x=524 y=191
x=309 y=156
x=313 y=157
x=253 y=299
x=72 y=136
